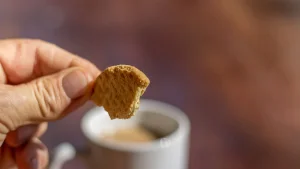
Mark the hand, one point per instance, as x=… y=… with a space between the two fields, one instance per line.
x=39 y=82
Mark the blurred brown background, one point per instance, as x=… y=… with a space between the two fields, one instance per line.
x=166 y=39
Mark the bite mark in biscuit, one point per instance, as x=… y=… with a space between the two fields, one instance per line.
x=118 y=89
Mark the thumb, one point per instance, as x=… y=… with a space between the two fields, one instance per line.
x=44 y=99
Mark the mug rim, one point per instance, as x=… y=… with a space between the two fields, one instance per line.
x=169 y=110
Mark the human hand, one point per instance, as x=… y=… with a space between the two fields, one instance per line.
x=39 y=82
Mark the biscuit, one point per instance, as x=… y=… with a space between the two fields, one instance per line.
x=118 y=89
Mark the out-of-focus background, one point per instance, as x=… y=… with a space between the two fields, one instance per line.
x=166 y=39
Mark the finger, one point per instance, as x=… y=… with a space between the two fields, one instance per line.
x=7 y=158
x=25 y=133
x=24 y=59
x=34 y=155
x=44 y=99
x=42 y=128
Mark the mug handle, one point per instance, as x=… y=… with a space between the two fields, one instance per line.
x=65 y=152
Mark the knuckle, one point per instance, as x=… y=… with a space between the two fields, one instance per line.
x=9 y=102
x=6 y=124
x=42 y=42
x=48 y=98
x=35 y=41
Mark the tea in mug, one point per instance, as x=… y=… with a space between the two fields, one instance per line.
x=130 y=134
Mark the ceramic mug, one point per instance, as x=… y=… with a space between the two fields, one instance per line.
x=171 y=151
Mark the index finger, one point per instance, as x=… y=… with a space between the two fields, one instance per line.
x=25 y=59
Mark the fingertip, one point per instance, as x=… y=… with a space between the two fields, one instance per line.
x=94 y=70
x=21 y=135
x=87 y=65
x=25 y=133
x=75 y=83
x=34 y=155
x=42 y=128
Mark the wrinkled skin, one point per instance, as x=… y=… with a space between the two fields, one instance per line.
x=246 y=50
x=32 y=93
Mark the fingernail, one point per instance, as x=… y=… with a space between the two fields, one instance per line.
x=34 y=163
x=75 y=83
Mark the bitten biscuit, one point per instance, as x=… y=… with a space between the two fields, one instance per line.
x=118 y=89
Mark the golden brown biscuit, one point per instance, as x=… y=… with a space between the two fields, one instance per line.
x=118 y=89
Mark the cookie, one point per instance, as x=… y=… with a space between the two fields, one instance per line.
x=118 y=89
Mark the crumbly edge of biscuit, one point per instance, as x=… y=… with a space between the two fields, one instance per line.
x=142 y=83
x=95 y=95
x=131 y=110
x=143 y=79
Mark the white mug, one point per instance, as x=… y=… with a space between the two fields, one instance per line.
x=168 y=152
